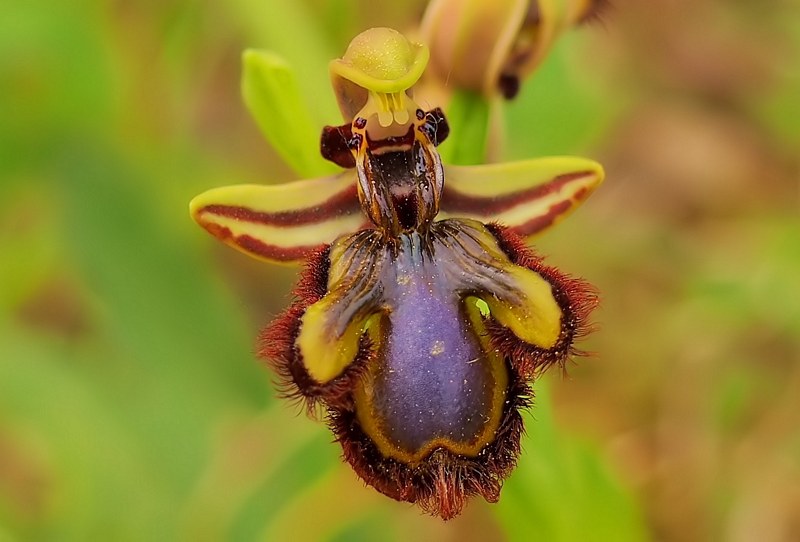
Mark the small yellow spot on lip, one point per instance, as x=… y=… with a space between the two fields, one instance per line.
x=437 y=348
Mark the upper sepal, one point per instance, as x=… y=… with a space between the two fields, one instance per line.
x=281 y=223
x=528 y=196
x=272 y=95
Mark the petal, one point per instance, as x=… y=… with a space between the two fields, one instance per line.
x=527 y=196
x=281 y=223
x=271 y=93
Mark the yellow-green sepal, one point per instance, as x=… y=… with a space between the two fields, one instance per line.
x=382 y=60
x=281 y=223
x=528 y=196
x=272 y=95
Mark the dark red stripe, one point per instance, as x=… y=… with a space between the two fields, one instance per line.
x=273 y=252
x=266 y=250
x=401 y=142
x=546 y=220
x=253 y=245
x=454 y=202
x=343 y=203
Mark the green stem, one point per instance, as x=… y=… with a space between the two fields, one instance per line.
x=468 y=116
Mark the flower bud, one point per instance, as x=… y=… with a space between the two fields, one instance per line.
x=490 y=47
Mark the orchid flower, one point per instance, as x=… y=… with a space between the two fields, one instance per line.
x=421 y=318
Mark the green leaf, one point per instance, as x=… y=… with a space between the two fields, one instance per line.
x=98 y=480
x=272 y=95
x=166 y=318
x=308 y=462
x=563 y=489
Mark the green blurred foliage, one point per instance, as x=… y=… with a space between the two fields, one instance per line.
x=131 y=405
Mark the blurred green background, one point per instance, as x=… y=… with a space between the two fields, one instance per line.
x=131 y=403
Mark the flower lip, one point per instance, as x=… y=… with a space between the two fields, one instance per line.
x=434 y=381
x=413 y=436
x=400 y=189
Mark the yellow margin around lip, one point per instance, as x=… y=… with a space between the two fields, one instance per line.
x=363 y=395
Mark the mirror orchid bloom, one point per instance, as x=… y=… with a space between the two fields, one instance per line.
x=421 y=318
